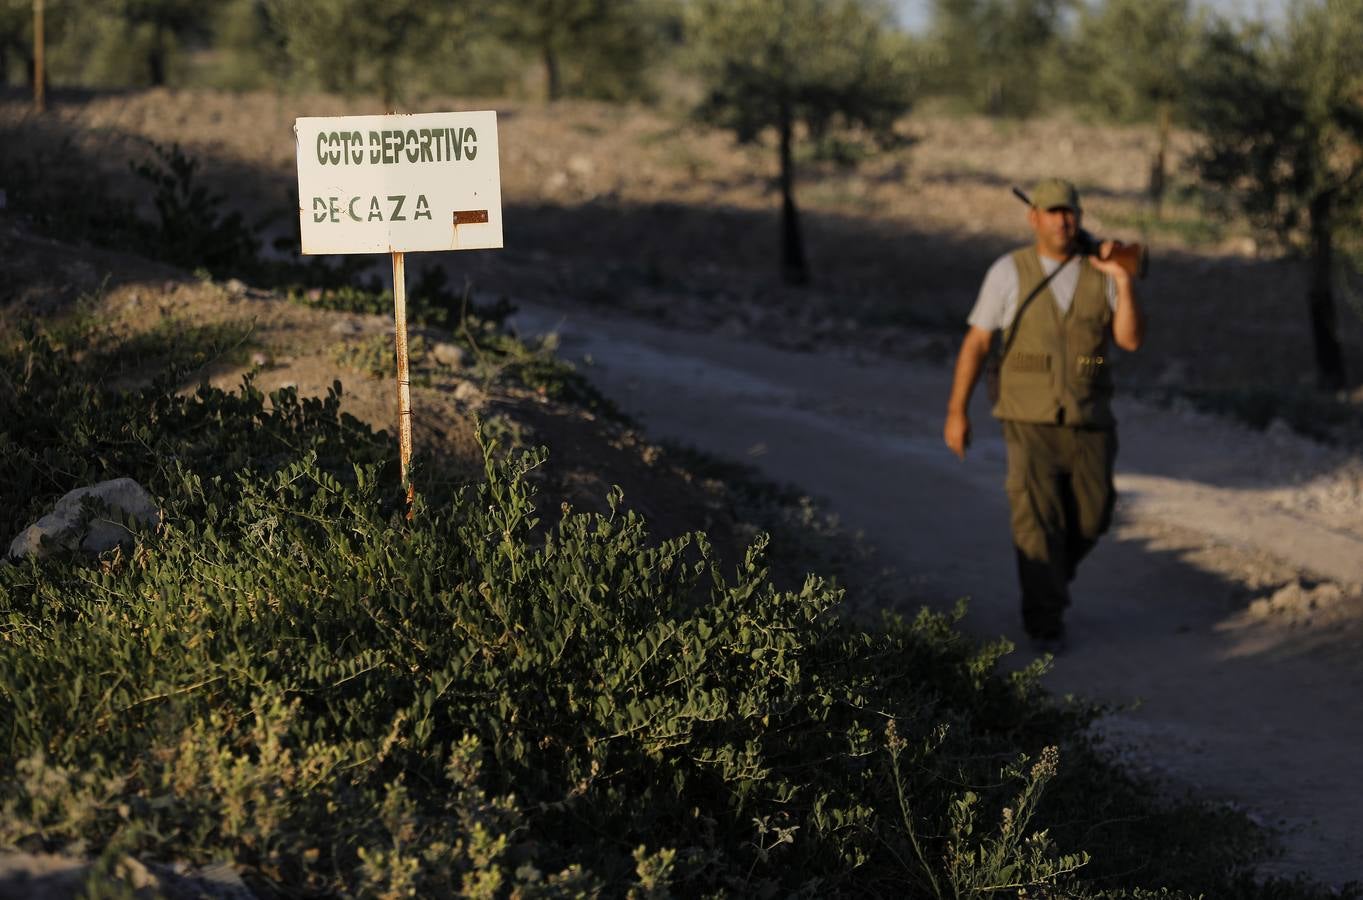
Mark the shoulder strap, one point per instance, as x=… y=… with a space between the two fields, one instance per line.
x=1022 y=307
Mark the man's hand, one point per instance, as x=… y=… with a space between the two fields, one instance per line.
x=957 y=432
x=1104 y=262
x=969 y=364
x=1128 y=320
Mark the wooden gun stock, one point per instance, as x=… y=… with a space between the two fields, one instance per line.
x=1134 y=258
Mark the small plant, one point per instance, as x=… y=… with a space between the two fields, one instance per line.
x=374 y=357
x=192 y=229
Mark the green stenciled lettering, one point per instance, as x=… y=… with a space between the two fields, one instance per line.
x=397 y=200
x=423 y=209
x=375 y=212
x=351 y=208
x=375 y=148
x=426 y=145
x=321 y=142
x=319 y=209
x=456 y=150
x=469 y=138
x=390 y=149
x=334 y=209
x=356 y=148
x=413 y=145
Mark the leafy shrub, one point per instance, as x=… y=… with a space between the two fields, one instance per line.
x=59 y=429
x=298 y=673
x=192 y=230
x=292 y=674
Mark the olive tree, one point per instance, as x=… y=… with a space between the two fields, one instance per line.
x=589 y=47
x=1131 y=60
x=800 y=68
x=16 y=34
x=1282 y=111
x=250 y=45
x=60 y=17
x=158 y=26
x=349 y=45
x=998 y=56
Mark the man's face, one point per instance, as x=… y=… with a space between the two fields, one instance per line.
x=1056 y=229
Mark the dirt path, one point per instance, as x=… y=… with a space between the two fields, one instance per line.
x=1226 y=600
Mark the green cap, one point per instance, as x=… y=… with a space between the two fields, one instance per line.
x=1052 y=192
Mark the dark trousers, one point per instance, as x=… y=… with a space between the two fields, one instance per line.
x=1061 y=496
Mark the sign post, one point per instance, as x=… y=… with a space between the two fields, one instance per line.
x=399 y=184
x=404 y=376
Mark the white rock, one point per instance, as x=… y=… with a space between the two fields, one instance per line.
x=63 y=528
x=447 y=354
x=467 y=392
x=581 y=166
x=1279 y=432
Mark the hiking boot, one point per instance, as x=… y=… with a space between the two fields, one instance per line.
x=1052 y=642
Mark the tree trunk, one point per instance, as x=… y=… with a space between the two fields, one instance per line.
x=553 y=84
x=1329 y=358
x=1158 y=165
x=993 y=96
x=794 y=268
x=156 y=59
x=39 y=57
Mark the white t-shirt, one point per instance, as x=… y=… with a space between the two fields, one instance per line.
x=997 y=303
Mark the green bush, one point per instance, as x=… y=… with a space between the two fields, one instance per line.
x=292 y=674
x=191 y=229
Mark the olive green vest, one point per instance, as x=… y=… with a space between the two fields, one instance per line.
x=1057 y=369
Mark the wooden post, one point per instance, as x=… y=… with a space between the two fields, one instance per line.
x=404 y=379
x=39 y=76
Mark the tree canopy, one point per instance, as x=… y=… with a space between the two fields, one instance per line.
x=996 y=55
x=1283 y=115
x=800 y=67
x=1130 y=58
x=598 y=48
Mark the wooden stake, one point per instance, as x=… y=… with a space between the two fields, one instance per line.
x=39 y=79
x=404 y=379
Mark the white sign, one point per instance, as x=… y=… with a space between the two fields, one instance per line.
x=399 y=183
